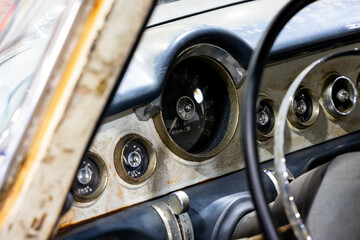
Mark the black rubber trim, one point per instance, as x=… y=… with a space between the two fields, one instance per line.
x=230 y=217
x=133 y=223
x=248 y=114
x=224 y=39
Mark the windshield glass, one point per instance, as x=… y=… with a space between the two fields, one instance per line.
x=165 y=1
x=26 y=29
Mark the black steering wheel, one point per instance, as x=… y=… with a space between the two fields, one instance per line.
x=248 y=114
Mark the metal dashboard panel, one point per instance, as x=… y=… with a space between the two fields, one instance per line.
x=173 y=173
x=238 y=32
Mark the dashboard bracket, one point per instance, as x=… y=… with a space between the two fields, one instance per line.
x=173 y=213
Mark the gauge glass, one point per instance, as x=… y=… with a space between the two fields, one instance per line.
x=265 y=117
x=196 y=105
x=135 y=159
x=303 y=106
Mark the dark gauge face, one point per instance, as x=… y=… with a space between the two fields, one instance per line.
x=265 y=117
x=87 y=178
x=303 y=106
x=196 y=106
x=135 y=159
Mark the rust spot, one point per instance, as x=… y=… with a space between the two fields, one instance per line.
x=37 y=223
x=172 y=181
x=48 y=159
x=120 y=194
x=68 y=150
x=33 y=223
x=50 y=198
x=68 y=219
x=69 y=223
x=42 y=203
x=101 y=87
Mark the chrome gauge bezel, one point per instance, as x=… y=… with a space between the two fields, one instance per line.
x=328 y=101
x=232 y=74
x=293 y=120
x=118 y=156
x=275 y=107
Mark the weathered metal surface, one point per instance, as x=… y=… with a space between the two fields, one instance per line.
x=33 y=205
x=173 y=173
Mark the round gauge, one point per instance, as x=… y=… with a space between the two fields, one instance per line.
x=134 y=159
x=304 y=108
x=192 y=107
x=265 y=117
x=339 y=96
x=198 y=108
x=90 y=179
x=265 y=121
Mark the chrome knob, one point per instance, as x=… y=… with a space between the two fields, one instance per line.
x=134 y=159
x=179 y=202
x=84 y=175
x=343 y=95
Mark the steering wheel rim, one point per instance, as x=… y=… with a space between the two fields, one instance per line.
x=248 y=113
x=286 y=196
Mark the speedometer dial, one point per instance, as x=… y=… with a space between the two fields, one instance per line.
x=198 y=108
x=193 y=104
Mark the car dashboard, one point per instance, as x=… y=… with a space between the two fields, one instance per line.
x=174 y=123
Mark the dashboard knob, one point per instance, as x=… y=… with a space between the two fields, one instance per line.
x=84 y=175
x=339 y=95
x=179 y=202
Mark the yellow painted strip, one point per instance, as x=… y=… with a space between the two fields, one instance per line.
x=45 y=123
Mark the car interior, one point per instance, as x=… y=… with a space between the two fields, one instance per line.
x=234 y=119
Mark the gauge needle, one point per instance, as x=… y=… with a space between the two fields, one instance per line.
x=173 y=124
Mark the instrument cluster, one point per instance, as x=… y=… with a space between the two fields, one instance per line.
x=193 y=132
